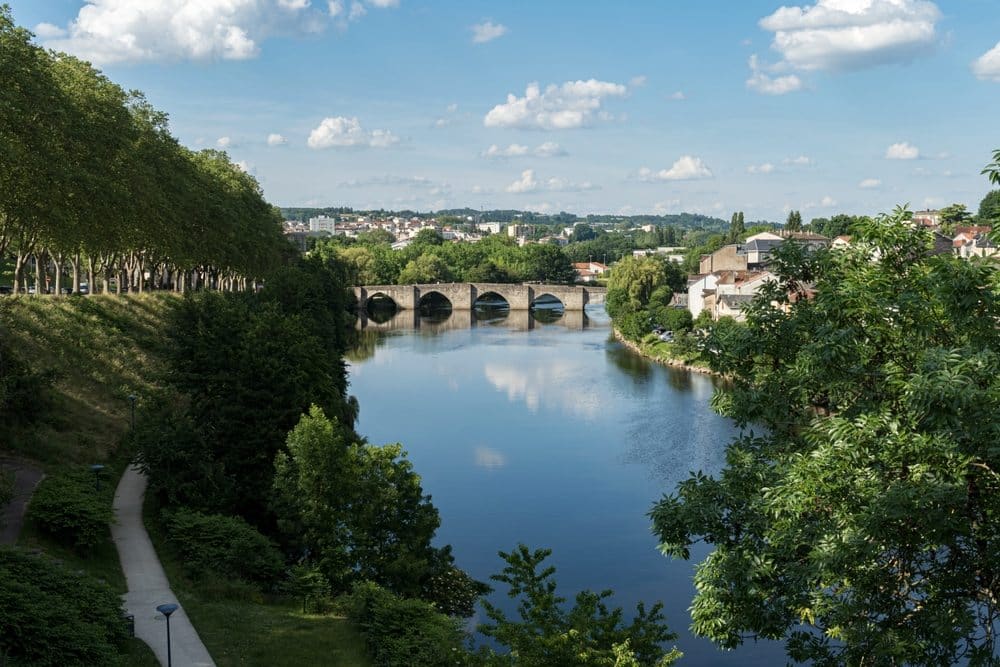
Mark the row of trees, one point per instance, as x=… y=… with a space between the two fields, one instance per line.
x=93 y=184
x=495 y=259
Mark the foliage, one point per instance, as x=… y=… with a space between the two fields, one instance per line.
x=954 y=216
x=588 y=634
x=69 y=508
x=212 y=545
x=249 y=366
x=53 y=617
x=989 y=208
x=6 y=489
x=634 y=280
x=861 y=526
x=24 y=398
x=737 y=230
x=992 y=170
x=308 y=583
x=794 y=222
x=633 y=325
x=359 y=513
x=427 y=268
x=404 y=633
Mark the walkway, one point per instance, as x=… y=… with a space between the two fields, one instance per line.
x=147 y=583
x=26 y=478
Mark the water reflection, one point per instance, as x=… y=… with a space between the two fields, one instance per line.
x=440 y=320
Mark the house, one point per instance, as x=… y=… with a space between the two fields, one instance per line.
x=726 y=258
x=731 y=305
x=758 y=252
x=587 y=272
x=841 y=242
x=931 y=219
x=699 y=287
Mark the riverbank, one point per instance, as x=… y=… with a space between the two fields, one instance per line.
x=659 y=352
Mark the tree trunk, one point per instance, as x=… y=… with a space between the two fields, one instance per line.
x=74 y=261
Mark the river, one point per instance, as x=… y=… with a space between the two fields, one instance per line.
x=549 y=433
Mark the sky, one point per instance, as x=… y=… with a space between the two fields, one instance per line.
x=834 y=106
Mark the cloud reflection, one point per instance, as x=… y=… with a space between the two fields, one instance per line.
x=557 y=384
x=489 y=458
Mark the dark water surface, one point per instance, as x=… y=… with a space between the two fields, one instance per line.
x=552 y=434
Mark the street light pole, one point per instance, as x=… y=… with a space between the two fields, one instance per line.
x=166 y=610
x=96 y=469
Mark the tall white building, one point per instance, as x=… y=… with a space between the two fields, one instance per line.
x=322 y=223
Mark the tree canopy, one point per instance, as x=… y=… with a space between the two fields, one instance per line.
x=857 y=515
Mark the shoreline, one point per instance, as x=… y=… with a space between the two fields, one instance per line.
x=672 y=363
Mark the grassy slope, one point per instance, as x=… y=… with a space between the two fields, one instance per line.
x=99 y=350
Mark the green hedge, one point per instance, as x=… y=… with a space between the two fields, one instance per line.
x=70 y=509
x=403 y=632
x=51 y=616
x=212 y=544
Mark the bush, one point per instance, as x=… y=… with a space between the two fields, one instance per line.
x=6 y=489
x=633 y=325
x=404 y=633
x=50 y=616
x=70 y=509
x=24 y=395
x=212 y=544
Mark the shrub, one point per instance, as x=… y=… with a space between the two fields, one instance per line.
x=6 y=489
x=404 y=633
x=633 y=325
x=69 y=508
x=212 y=544
x=50 y=616
x=24 y=395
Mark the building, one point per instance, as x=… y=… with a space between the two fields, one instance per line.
x=323 y=223
x=927 y=218
x=587 y=272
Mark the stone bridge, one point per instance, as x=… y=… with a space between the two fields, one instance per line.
x=463 y=296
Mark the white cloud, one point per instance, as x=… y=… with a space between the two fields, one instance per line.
x=678 y=95
x=223 y=142
x=528 y=183
x=115 y=31
x=390 y=180
x=637 y=81
x=800 y=161
x=550 y=149
x=869 y=184
x=357 y=11
x=768 y=85
x=494 y=152
x=686 y=168
x=246 y=167
x=452 y=108
x=852 y=34
x=986 y=66
x=825 y=202
x=340 y=131
x=765 y=168
x=276 y=140
x=49 y=31
x=487 y=31
x=384 y=4
x=571 y=105
x=902 y=151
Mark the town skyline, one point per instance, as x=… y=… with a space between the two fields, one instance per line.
x=839 y=106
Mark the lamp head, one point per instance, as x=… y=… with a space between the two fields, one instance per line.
x=167 y=609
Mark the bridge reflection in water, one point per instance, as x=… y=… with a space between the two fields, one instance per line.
x=451 y=320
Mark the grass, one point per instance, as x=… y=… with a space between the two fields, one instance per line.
x=652 y=347
x=239 y=626
x=98 y=350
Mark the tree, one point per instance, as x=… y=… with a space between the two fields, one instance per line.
x=359 y=513
x=989 y=209
x=954 y=216
x=588 y=634
x=861 y=524
x=582 y=232
x=794 y=222
x=736 y=229
x=426 y=268
x=634 y=280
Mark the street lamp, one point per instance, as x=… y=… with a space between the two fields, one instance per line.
x=96 y=469
x=166 y=610
x=131 y=399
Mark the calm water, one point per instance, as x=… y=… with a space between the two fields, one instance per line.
x=553 y=435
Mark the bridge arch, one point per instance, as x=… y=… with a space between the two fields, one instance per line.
x=548 y=301
x=491 y=299
x=434 y=300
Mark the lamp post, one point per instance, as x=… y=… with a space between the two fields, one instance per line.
x=131 y=399
x=166 y=610
x=96 y=469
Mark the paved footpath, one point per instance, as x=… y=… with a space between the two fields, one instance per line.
x=147 y=583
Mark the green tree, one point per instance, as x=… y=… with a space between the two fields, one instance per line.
x=858 y=520
x=989 y=209
x=359 y=512
x=582 y=232
x=426 y=268
x=954 y=216
x=634 y=280
x=587 y=634
x=794 y=222
x=736 y=228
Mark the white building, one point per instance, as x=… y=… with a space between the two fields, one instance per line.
x=323 y=223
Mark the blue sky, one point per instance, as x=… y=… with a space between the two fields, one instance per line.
x=615 y=107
